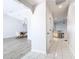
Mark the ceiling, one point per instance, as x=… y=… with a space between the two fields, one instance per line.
x=20 y=7
x=15 y=9
x=59 y=9
x=52 y=4
x=31 y=3
x=60 y=1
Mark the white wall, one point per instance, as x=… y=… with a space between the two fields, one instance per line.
x=71 y=27
x=18 y=13
x=38 y=29
x=11 y=26
x=49 y=29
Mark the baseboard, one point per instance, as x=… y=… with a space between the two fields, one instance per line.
x=38 y=51
x=10 y=37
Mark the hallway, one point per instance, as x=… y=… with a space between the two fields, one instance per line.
x=59 y=50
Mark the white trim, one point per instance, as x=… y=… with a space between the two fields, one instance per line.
x=10 y=37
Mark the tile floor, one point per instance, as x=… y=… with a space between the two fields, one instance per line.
x=59 y=50
x=20 y=49
x=15 y=48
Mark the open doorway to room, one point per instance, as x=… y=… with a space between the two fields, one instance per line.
x=15 y=29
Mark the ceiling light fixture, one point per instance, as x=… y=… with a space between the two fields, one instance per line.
x=60 y=6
